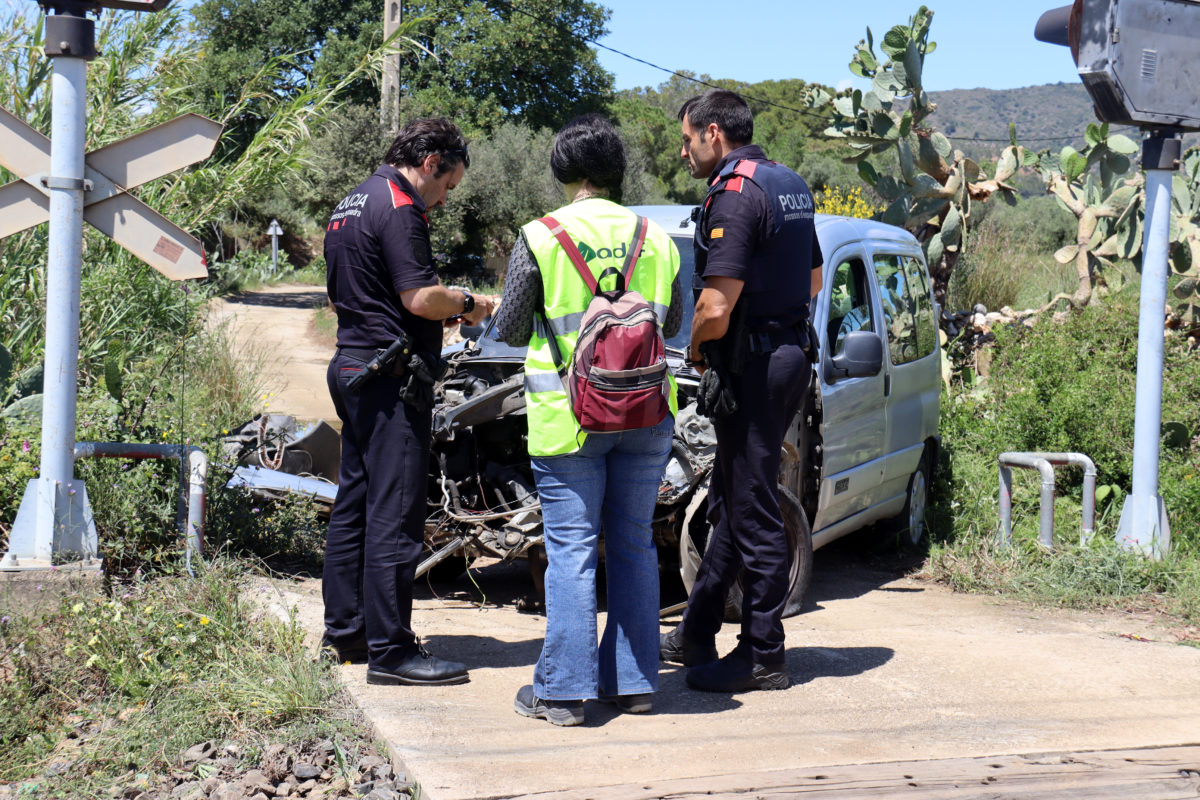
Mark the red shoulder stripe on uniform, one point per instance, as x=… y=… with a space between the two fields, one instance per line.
x=399 y=196
x=734 y=184
x=745 y=169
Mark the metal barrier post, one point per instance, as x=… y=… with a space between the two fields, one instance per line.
x=193 y=469
x=1044 y=463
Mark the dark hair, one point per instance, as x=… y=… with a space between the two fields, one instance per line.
x=589 y=147
x=725 y=108
x=422 y=138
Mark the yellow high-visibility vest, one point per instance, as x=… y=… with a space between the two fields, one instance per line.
x=603 y=231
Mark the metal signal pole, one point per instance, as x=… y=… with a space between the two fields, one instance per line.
x=58 y=182
x=1143 y=525
x=63 y=521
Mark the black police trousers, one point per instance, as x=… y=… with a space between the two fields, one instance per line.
x=377 y=526
x=743 y=508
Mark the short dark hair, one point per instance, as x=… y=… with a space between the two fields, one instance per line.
x=589 y=147
x=422 y=138
x=723 y=107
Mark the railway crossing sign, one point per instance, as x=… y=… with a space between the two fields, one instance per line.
x=110 y=172
x=61 y=184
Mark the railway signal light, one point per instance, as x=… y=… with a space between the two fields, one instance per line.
x=1139 y=59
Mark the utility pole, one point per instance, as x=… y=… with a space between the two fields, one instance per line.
x=389 y=101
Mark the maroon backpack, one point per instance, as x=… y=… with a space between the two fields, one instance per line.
x=617 y=378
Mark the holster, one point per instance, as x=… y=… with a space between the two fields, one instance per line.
x=423 y=370
x=726 y=358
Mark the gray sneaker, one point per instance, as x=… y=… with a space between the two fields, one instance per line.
x=557 y=712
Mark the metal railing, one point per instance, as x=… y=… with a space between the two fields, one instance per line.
x=193 y=474
x=1045 y=463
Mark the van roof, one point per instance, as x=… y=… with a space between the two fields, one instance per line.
x=676 y=220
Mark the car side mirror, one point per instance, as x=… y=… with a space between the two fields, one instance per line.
x=861 y=357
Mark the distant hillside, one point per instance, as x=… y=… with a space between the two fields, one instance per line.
x=1046 y=116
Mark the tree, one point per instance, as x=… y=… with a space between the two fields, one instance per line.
x=486 y=62
x=322 y=40
x=650 y=118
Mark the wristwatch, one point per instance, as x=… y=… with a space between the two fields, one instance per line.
x=690 y=357
x=468 y=303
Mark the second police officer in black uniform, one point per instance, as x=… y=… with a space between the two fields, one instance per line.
x=759 y=262
x=383 y=285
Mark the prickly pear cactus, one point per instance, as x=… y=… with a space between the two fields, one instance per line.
x=936 y=185
x=1184 y=252
x=1112 y=219
x=1104 y=204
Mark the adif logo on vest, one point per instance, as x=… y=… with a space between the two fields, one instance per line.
x=588 y=253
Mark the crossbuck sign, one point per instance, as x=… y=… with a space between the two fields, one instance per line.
x=110 y=172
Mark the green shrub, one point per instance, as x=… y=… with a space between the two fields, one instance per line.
x=1040 y=223
x=1068 y=386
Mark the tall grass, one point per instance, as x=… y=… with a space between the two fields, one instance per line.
x=1002 y=267
x=149 y=670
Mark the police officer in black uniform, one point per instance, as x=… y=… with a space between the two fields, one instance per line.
x=759 y=264
x=382 y=283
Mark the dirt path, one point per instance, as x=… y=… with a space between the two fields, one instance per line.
x=272 y=328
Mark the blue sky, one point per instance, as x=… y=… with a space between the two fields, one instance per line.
x=980 y=44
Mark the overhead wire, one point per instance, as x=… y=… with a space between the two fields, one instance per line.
x=804 y=112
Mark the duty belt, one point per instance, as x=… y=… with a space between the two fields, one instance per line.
x=365 y=354
x=762 y=342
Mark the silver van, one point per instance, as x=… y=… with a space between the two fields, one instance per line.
x=869 y=435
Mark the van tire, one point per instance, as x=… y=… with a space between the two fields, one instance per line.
x=694 y=538
x=909 y=525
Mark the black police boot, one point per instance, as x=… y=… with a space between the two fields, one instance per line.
x=675 y=648
x=352 y=652
x=737 y=672
x=419 y=669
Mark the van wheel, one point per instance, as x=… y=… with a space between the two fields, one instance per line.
x=696 y=533
x=909 y=525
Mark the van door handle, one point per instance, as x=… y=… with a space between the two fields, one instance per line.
x=887 y=384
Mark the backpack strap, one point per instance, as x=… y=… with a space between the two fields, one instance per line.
x=635 y=250
x=568 y=245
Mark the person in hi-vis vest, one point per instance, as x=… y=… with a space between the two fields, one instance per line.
x=590 y=480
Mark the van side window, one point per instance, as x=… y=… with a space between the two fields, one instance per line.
x=899 y=309
x=849 y=303
x=918 y=289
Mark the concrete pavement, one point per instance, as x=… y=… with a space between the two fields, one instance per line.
x=885 y=669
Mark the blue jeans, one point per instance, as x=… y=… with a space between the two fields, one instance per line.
x=611 y=482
